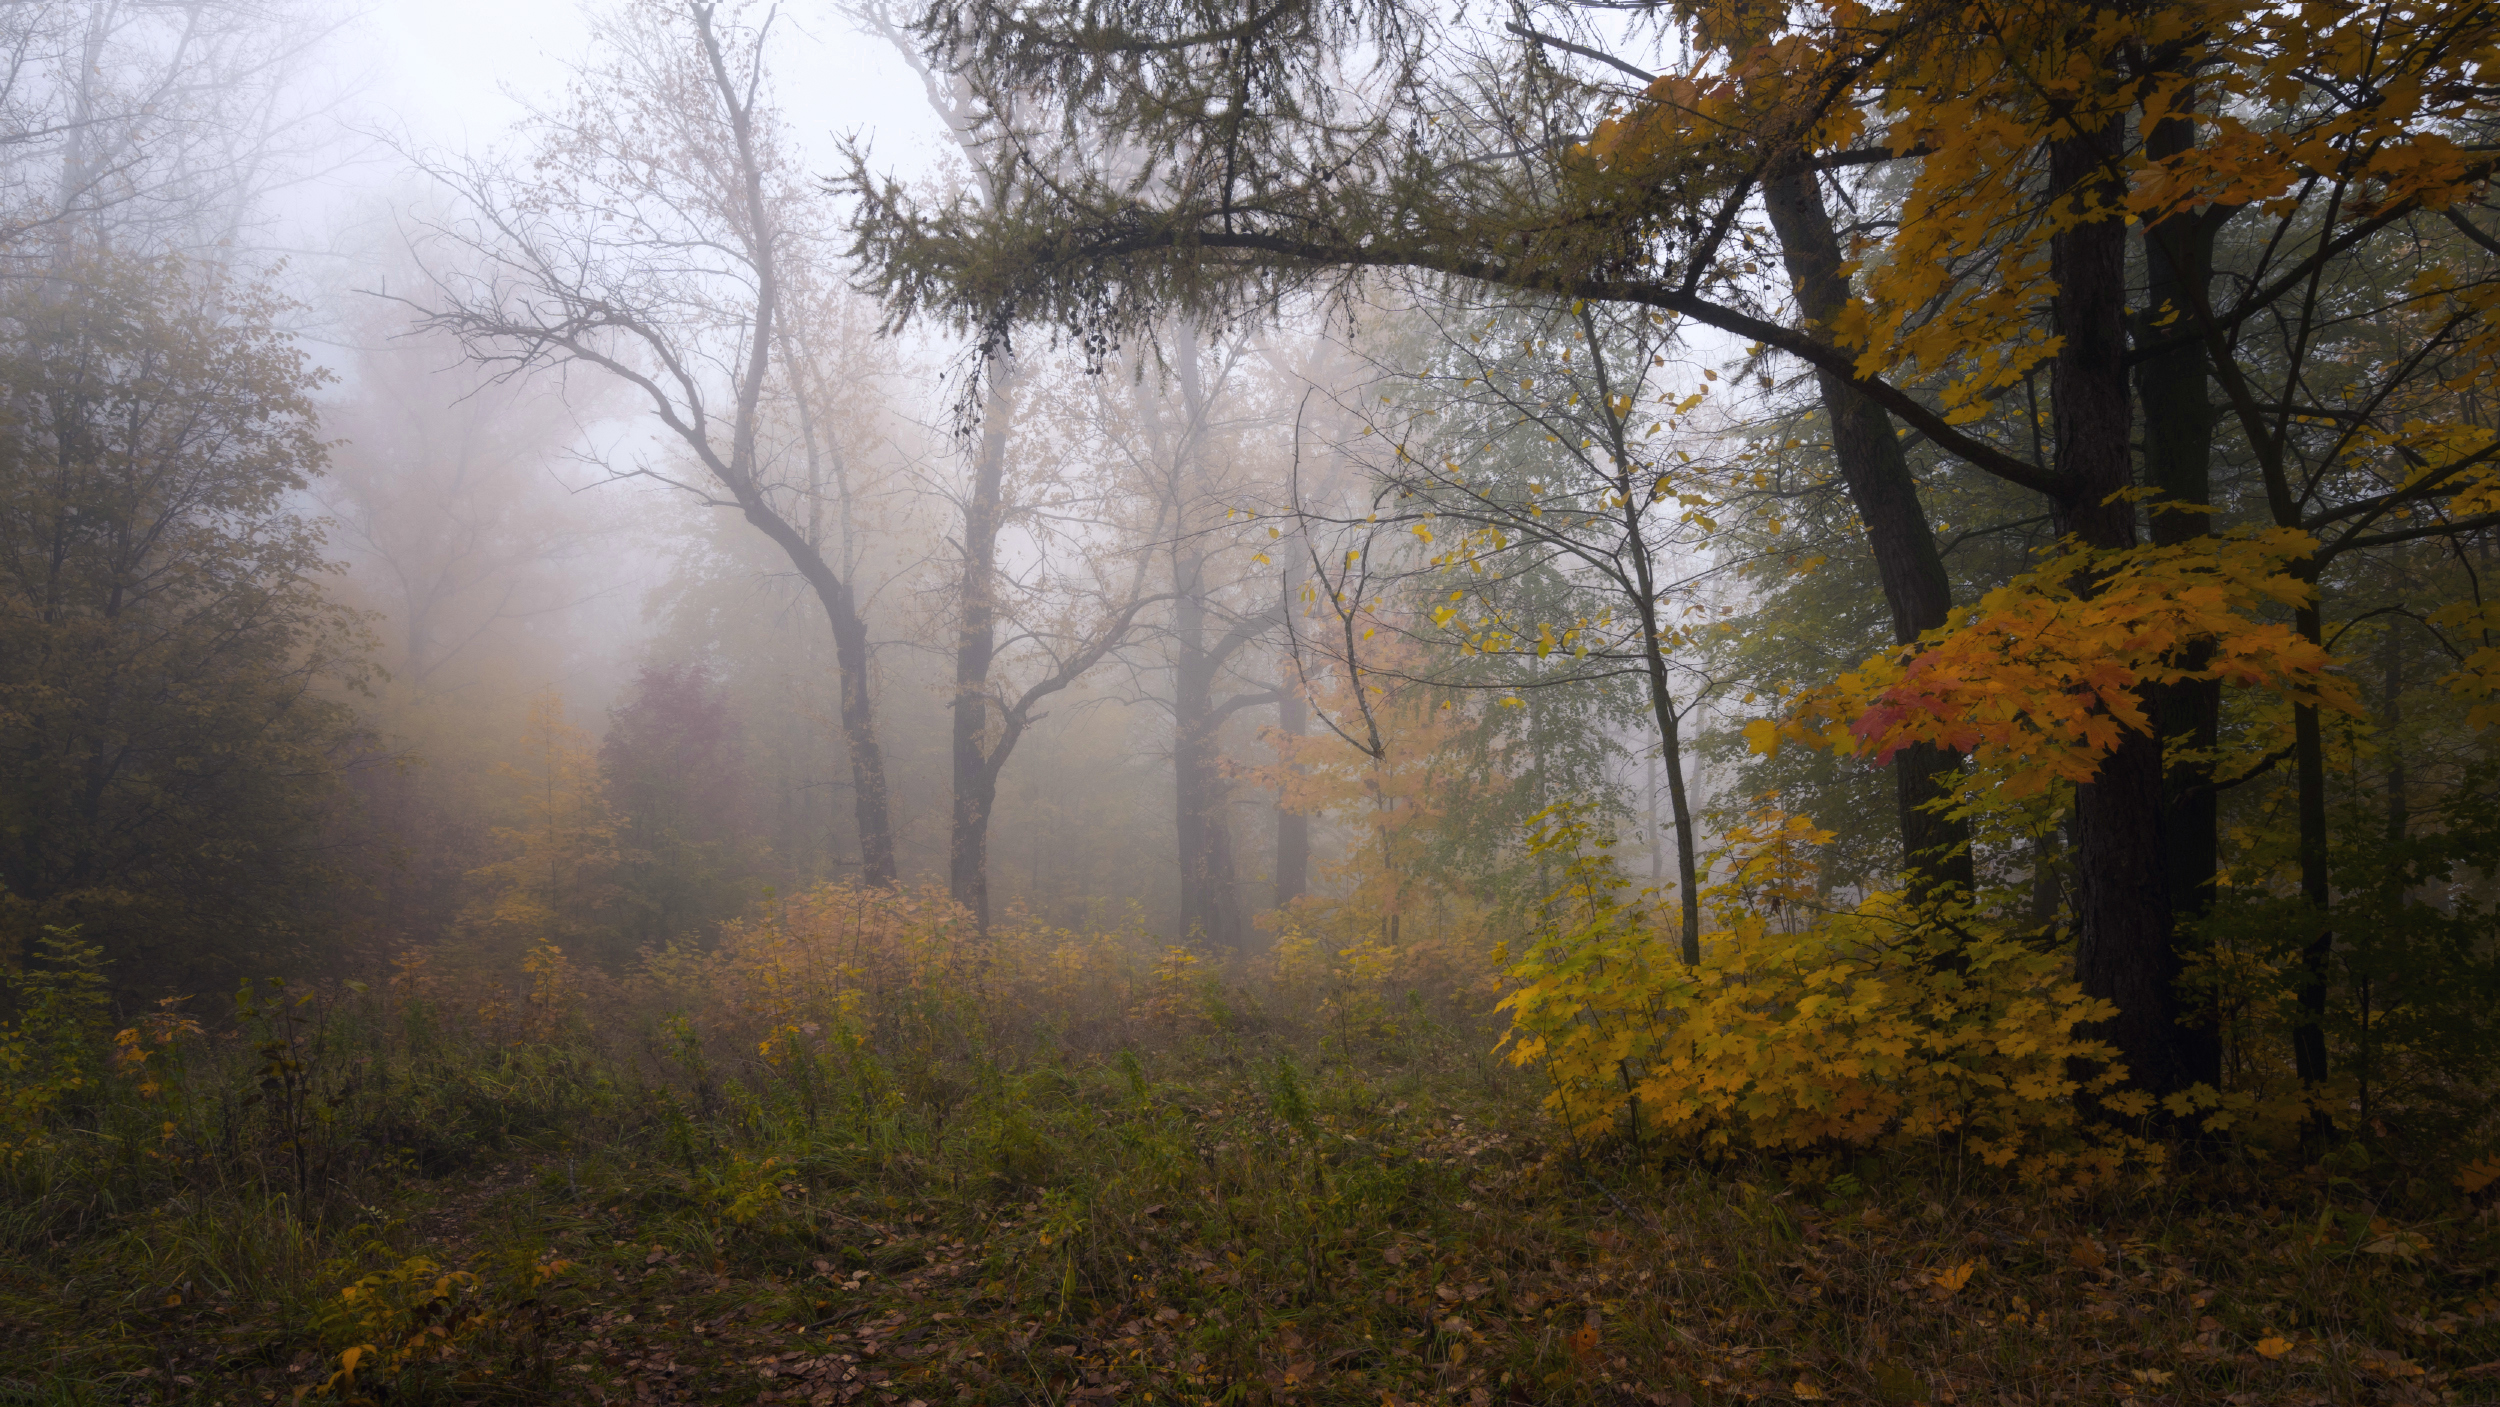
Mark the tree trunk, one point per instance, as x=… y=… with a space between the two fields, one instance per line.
x=869 y=801
x=2309 y=761
x=2123 y=949
x=976 y=645
x=1935 y=849
x=1671 y=752
x=2172 y=386
x=870 y=806
x=1210 y=907
x=2399 y=821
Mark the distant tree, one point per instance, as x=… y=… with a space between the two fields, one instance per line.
x=674 y=779
x=662 y=236
x=172 y=720
x=556 y=883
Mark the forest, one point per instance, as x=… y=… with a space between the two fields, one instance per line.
x=1245 y=702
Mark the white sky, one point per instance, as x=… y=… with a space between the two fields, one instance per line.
x=454 y=75
x=446 y=66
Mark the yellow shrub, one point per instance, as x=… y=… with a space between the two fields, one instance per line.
x=417 y=1311
x=1801 y=1029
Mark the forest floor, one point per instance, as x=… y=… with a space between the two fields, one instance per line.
x=1214 y=1223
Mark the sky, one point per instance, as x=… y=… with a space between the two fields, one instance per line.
x=453 y=76
x=449 y=70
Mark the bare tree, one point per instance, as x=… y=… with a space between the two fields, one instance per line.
x=1056 y=636
x=152 y=126
x=661 y=236
x=1192 y=439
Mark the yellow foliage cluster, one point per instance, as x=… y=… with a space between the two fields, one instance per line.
x=415 y=1311
x=815 y=970
x=2039 y=680
x=1803 y=1029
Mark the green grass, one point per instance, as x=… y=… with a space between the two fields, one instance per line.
x=1233 y=1207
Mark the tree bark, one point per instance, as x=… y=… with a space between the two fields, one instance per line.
x=976 y=647
x=1935 y=848
x=2173 y=386
x=2309 y=762
x=1670 y=741
x=2123 y=950
x=2173 y=391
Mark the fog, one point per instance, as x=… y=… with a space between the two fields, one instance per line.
x=679 y=571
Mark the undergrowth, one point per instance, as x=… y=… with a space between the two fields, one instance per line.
x=1044 y=1170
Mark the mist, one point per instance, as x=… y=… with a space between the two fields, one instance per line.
x=1047 y=701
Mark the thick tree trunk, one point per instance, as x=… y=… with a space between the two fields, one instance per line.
x=976 y=645
x=1935 y=849
x=2172 y=386
x=2123 y=949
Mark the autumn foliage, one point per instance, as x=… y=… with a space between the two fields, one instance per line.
x=2039 y=679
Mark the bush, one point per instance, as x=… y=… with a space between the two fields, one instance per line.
x=1876 y=1027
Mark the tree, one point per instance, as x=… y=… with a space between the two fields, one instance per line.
x=173 y=677
x=988 y=717
x=1545 y=452
x=1190 y=450
x=149 y=128
x=2029 y=138
x=662 y=238
x=672 y=773
x=442 y=493
x=557 y=881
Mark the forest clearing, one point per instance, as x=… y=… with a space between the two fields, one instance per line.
x=1249 y=702
x=1088 y=1171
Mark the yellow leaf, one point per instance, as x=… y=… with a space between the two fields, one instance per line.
x=2274 y=1346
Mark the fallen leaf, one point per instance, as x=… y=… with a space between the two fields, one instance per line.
x=1584 y=1342
x=2273 y=1346
x=1948 y=1283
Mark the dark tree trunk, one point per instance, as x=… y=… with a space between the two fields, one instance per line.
x=976 y=645
x=870 y=805
x=2399 y=821
x=2309 y=762
x=1671 y=747
x=1935 y=849
x=1210 y=898
x=2123 y=949
x=2172 y=386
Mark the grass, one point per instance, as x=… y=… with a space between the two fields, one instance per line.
x=1231 y=1198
